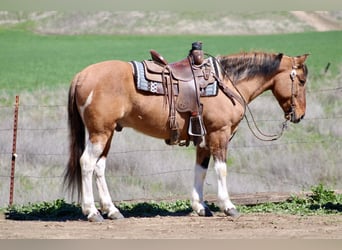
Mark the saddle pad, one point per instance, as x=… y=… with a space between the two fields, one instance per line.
x=142 y=83
x=157 y=87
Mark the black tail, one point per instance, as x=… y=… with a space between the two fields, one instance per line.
x=73 y=175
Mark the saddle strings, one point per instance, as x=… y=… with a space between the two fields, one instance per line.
x=246 y=107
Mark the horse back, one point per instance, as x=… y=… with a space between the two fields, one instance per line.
x=107 y=96
x=104 y=81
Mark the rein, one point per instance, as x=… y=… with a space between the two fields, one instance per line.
x=246 y=107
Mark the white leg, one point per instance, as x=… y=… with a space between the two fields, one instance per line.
x=88 y=163
x=197 y=192
x=223 y=197
x=105 y=199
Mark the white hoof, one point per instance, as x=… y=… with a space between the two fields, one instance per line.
x=115 y=216
x=97 y=217
x=205 y=212
x=232 y=212
x=201 y=209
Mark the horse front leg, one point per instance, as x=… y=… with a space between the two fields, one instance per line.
x=201 y=167
x=219 y=147
x=224 y=201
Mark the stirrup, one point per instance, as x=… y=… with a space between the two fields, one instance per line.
x=196 y=126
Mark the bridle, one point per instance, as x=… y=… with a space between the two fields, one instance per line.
x=293 y=75
x=284 y=126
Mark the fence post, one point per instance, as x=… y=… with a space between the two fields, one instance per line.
x=14 y=146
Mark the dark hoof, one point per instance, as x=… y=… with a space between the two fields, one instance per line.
x=205 y=212
x=96 y=218
x=232 y=212
x=116 y=216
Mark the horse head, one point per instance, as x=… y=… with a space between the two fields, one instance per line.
x=289 y=87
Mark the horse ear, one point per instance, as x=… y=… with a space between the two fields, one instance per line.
x=280 y=56
x=299 y=60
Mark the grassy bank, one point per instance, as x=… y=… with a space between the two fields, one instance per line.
x=30 y=61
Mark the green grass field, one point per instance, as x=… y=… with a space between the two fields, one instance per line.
x=30 y=61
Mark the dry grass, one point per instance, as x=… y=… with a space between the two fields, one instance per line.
x=167 y=22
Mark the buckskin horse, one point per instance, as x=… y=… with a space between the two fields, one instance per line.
x=104 y=98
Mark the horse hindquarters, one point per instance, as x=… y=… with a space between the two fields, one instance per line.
x=88 y=157
x=74 y=174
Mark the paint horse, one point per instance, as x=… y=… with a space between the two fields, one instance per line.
x=103 y=98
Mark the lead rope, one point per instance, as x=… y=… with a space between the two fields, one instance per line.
x=284 y=124
x=246 y=107
x=275 y=137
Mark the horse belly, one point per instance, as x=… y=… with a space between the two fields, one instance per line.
x=152 y=118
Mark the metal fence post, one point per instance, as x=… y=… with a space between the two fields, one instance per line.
x=14 y=146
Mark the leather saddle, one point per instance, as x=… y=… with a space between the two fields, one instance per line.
x=182 y=83
x=188 y=78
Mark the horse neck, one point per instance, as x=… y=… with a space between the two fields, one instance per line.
x=252 y=88
x=252 y=73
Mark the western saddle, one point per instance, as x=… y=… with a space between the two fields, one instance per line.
x=182 y=83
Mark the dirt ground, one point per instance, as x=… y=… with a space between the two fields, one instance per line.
x=247 y=226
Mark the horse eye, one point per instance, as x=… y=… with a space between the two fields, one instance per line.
x=302 y=81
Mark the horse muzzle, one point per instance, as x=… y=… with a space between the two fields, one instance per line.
x=292 y=117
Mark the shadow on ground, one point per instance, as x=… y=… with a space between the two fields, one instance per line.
x=62 y=211
x=70 y=212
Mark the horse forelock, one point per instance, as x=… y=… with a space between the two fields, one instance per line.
x=248 y=65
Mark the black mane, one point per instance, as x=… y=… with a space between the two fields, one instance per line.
x=248 y=65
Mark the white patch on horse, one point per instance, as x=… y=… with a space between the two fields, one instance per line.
x=86 y=133
x=222 y=191
x=197 y=191
x=88 y=162
x=86 y=104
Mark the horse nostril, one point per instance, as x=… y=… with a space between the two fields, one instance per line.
x=302 y=117
x=298 y=119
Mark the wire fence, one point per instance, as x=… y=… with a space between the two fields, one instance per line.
x=42 y=149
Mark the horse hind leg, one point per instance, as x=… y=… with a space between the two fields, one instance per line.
x=106 y=202
x=88 y=162
x=92 y=163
